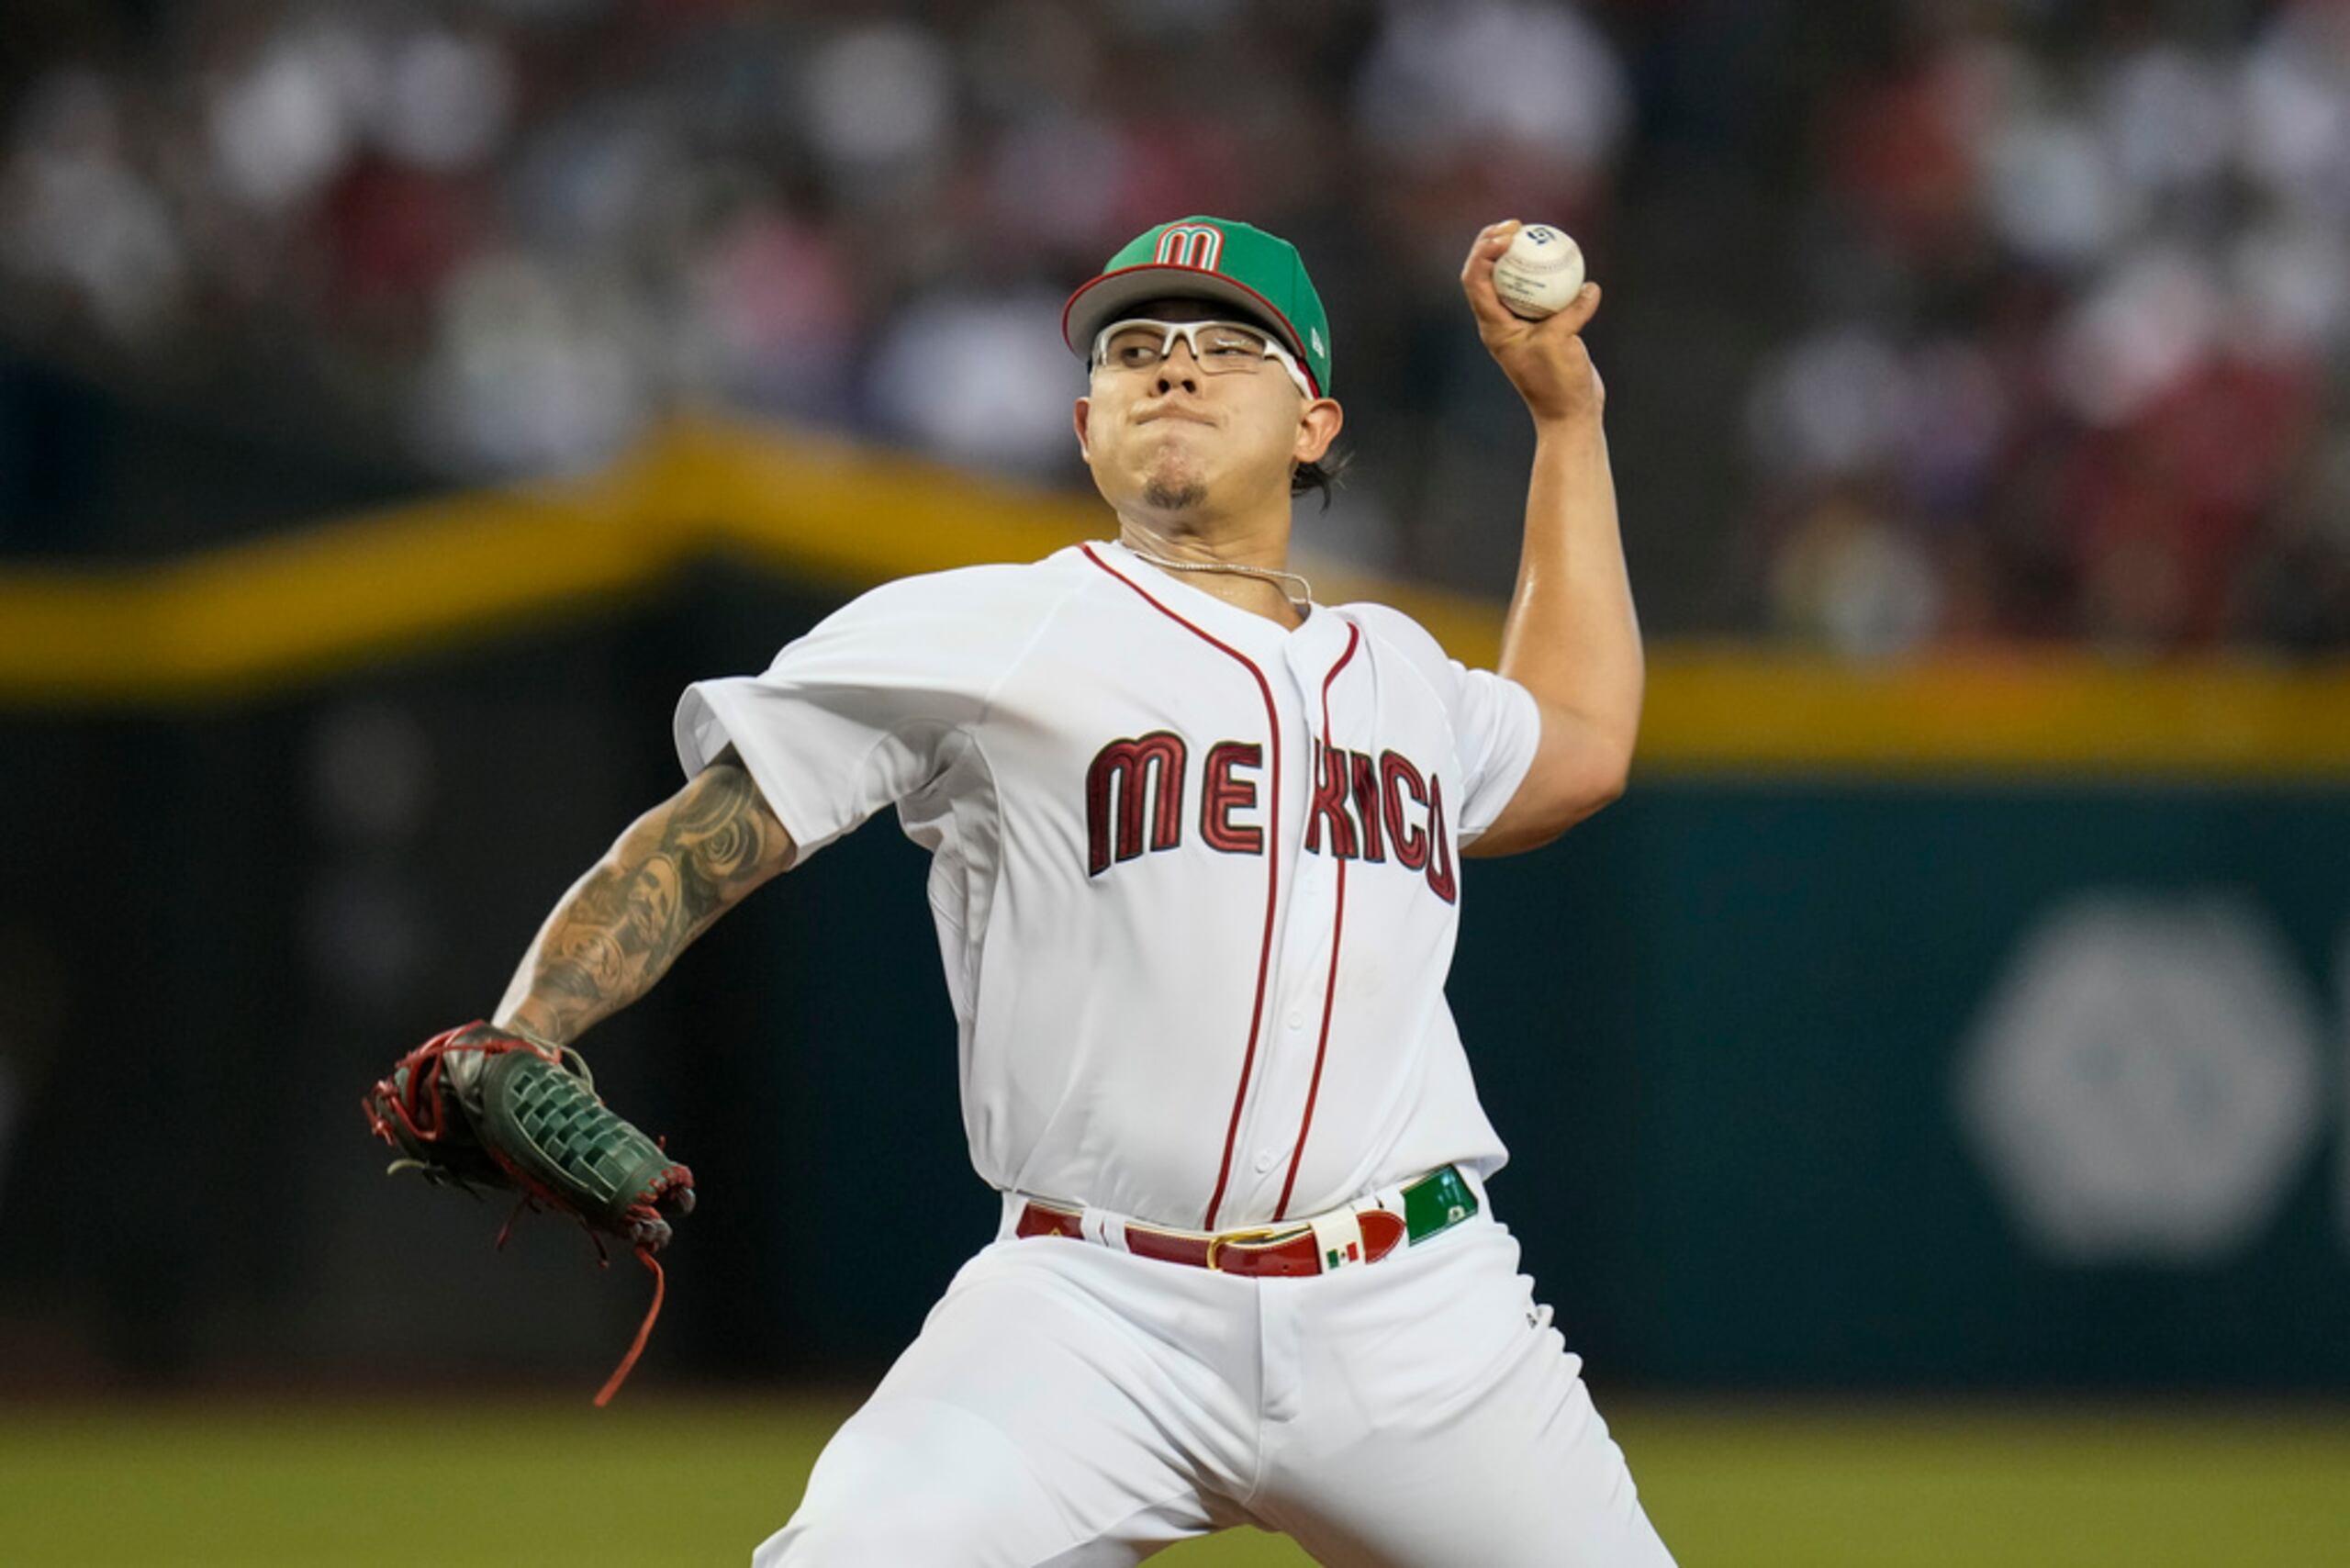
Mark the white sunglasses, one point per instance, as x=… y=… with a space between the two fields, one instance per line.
x=1141 y=343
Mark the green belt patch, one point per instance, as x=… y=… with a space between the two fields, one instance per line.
x=1436 y=1203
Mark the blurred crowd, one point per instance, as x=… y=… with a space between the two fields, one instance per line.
x=2076 y=276
x=516 y=230
x=2079 y=278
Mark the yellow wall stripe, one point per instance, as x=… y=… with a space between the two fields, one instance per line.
x=2052 y=714
x=249 y=618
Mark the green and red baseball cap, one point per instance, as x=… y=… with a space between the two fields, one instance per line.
x=1209 y=258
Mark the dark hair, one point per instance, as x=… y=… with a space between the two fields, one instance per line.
x=1323 y=474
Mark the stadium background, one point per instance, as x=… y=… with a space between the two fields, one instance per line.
x=1927 y=1088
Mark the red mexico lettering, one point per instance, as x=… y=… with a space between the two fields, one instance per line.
x=1440 y=879
x=1129 y=784
x=1222 y=792
x=1330 y=782
x=1398 y=779
x=1366 y=782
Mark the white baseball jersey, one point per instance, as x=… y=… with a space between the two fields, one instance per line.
x=1195 y=875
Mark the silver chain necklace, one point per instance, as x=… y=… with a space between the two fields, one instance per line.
x=1304 y=594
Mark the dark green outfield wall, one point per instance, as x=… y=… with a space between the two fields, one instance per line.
x=1809 y=1084
x=1757 y=1112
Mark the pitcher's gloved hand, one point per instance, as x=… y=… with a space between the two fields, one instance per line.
x=480 y=1106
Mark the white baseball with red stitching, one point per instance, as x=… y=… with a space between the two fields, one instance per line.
x=1540 y=272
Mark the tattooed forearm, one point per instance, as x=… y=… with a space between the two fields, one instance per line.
x=672 y=873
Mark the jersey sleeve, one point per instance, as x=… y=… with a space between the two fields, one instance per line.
x=855 y=715
x=1496 y=727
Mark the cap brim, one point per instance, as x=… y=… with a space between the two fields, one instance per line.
x=1097 y=304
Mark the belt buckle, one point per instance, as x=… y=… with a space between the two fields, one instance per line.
x=1237 y=1238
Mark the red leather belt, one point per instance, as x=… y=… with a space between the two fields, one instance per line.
x=1288 y=1251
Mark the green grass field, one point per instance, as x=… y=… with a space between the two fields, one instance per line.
x=661 y=1481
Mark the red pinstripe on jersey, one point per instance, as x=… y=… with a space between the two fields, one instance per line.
x=1335 y=761
x=1273 y=870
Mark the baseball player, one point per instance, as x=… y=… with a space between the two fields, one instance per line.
x=1195 y=852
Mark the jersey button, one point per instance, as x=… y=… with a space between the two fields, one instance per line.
x=1296 y=1019
x=1264 y=1160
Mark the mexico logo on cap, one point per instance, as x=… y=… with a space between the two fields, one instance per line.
x=1190 y=245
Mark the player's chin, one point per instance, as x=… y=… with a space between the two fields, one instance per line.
x=1174 y=497
x=1174 y=481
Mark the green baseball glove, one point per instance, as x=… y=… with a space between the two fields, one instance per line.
x=477 y=1107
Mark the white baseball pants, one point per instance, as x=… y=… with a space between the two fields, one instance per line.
x=1073 y=1405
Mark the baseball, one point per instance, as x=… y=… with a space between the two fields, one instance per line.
x=1540 y=272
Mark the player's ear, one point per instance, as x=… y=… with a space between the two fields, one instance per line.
x=1317 y=427
x=1084 y=413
